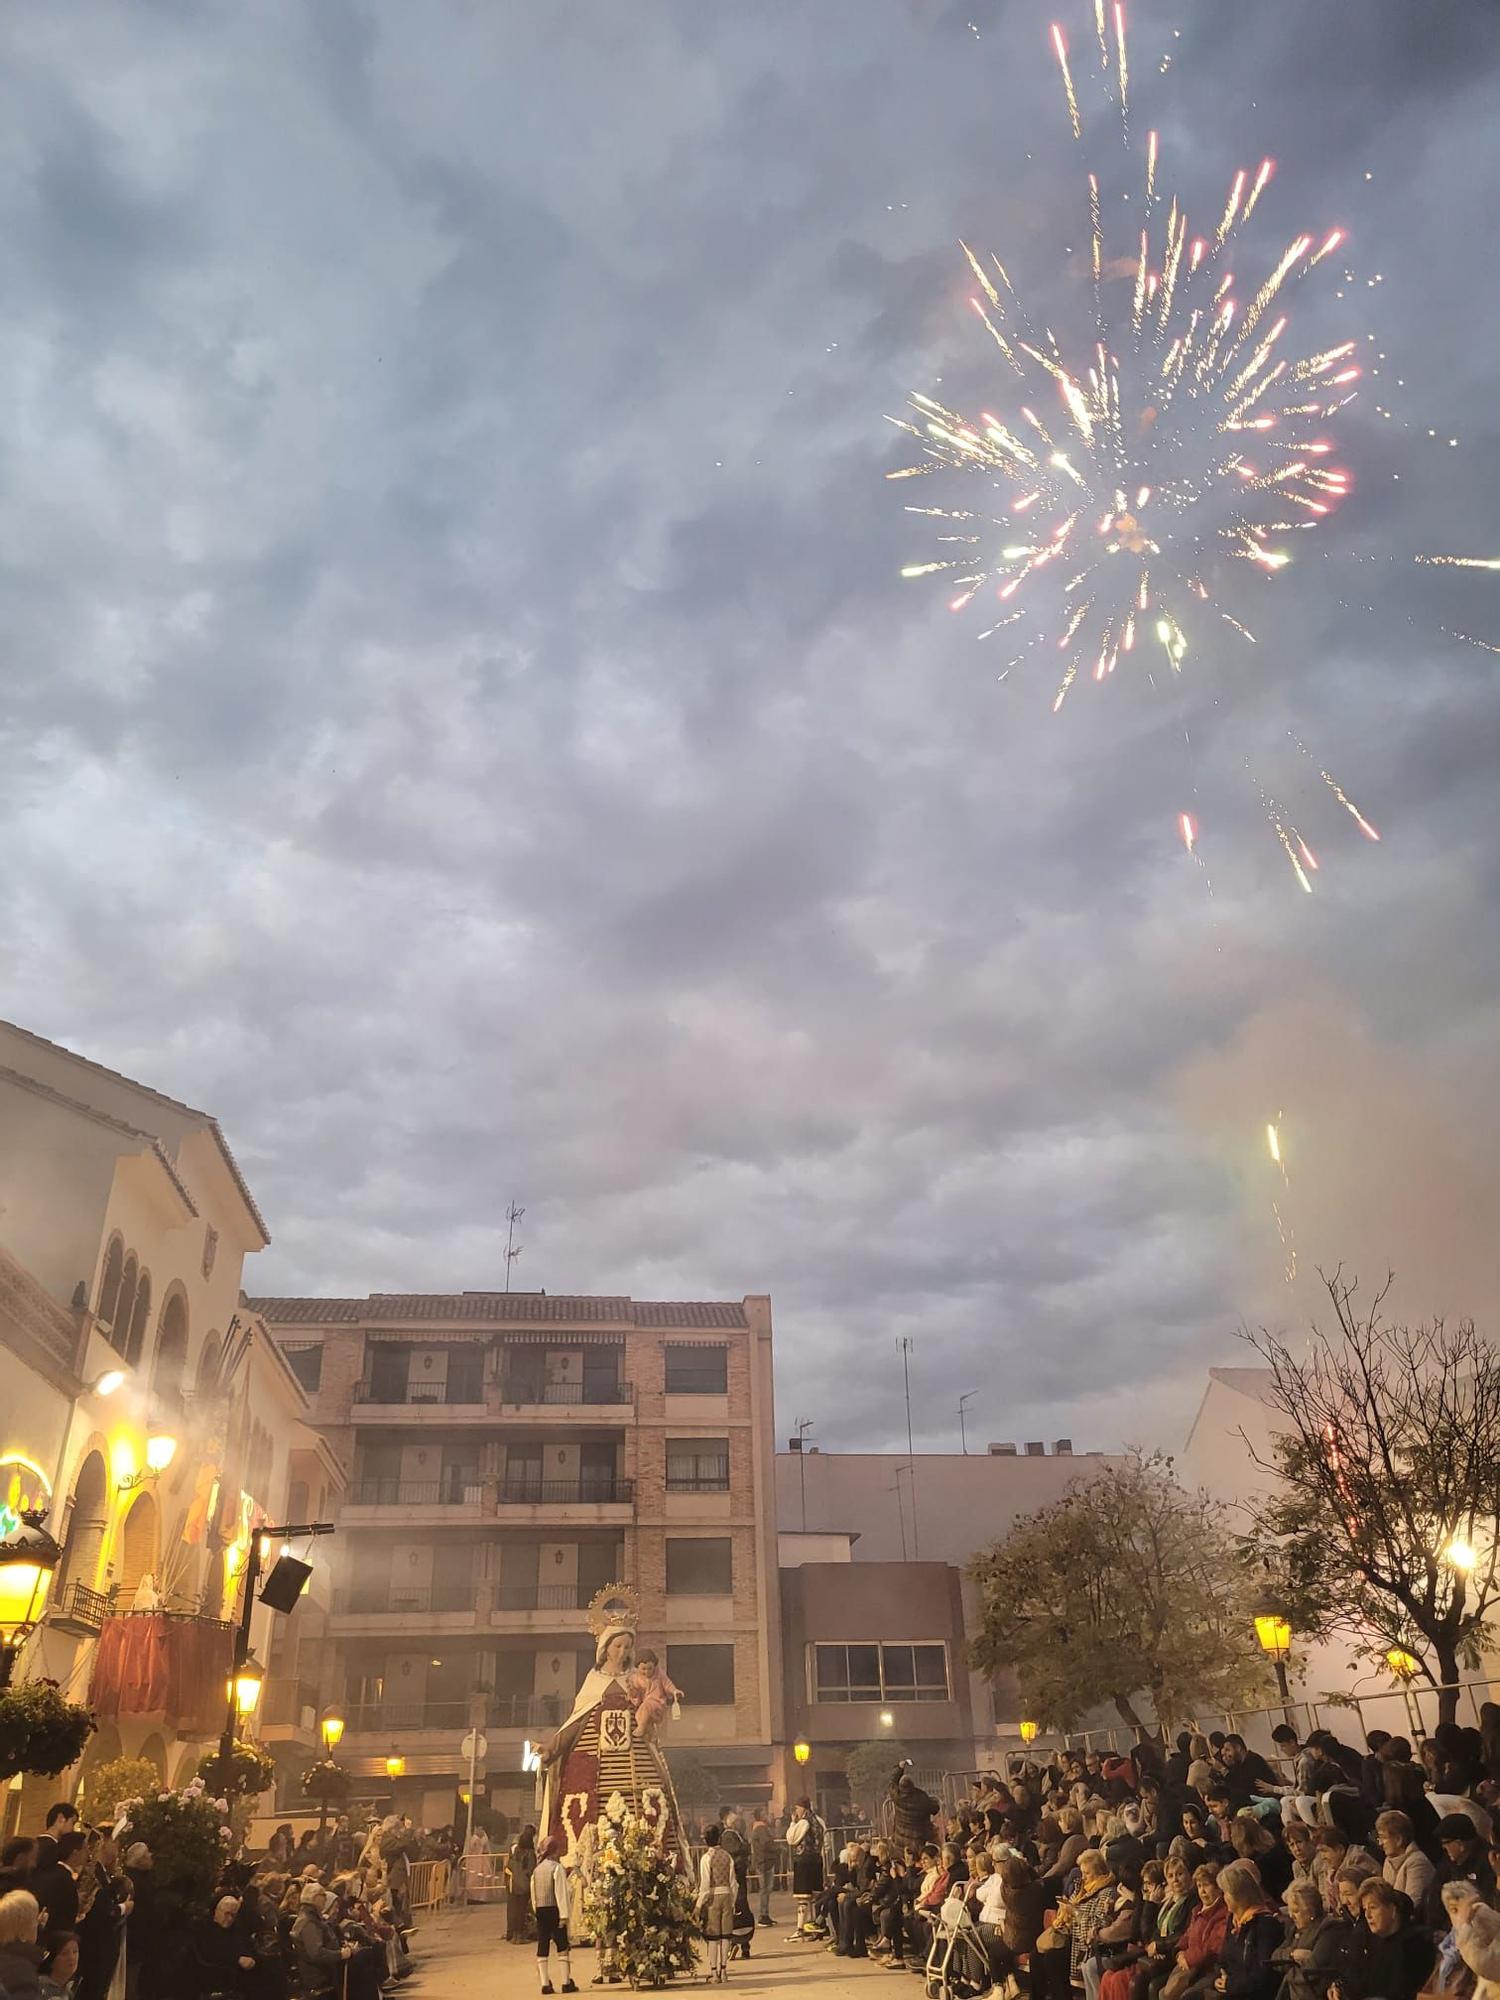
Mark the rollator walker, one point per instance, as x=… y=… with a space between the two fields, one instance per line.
x=958 y=1966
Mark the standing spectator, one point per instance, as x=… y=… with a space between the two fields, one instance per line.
x=56 y=1884
x=763 y=1861
x=519 y=1865
x=549 y=1899
x=715 y=1903
x=20 y=1954
x=101 y=1930
x=915 y=1810
x=61 y=1818
x=804 y=1838
x=282 y=1845
x=737 y=1847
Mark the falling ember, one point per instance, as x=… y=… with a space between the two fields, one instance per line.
x=1463 y=562
x=1273 y=1143
x=1060 y=47
x=1188 y=831
x=1151 y=142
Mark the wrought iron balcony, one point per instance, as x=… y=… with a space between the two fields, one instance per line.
x=525 y=1390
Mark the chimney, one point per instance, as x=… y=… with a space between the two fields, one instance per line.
x=1002 y=1451
x=1035 y=1448
x=1063 y=1448
x=794 y=1444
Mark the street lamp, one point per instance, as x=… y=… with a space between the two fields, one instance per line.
x=28 y=1559
x=331 y=1729
x=1029 y=1731
x=1461 y=1555
x=245 y=1686
x=395 y=1766
x=801 y=1749
x=1275 y=1636
x=161 y=1449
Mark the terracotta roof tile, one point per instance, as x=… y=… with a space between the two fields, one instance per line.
x=513 y=1308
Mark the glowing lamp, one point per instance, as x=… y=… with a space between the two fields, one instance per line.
x=1274 y=1634
x=245 y=1685
x=395 y=1765
x=1029 y=1731
x=28 y=1558
x=160 y=1451
x=1402 y=1664
x=887 y=1720
x=331 y=1728
x=801 y=1750
x=109 y=1381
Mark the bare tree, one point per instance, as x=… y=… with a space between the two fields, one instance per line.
x=1382 y=1526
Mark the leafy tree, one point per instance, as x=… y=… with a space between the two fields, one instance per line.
x=868 y=1767
x=109 y=1784
x=1128 y=1586
x=1381 y=1524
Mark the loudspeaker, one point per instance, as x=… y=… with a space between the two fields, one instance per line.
x=285 y=1584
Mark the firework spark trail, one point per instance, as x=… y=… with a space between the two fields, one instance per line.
x=1283 y=1225
x=1187 y=441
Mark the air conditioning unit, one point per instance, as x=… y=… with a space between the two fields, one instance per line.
x=1035 y=1448
x=1063 y=1448
x=1002 y=1451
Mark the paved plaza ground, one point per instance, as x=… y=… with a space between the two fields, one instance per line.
x=464 y=1956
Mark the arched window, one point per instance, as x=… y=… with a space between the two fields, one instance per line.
x=86 y=1523
x=140 y=1549
x=125 y=1306
x=109 y=1284
x=169 y=1371
x=138 y=1319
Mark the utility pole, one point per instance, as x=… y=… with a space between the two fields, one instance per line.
x=512 y=1249
x=294 y=1530
x=804 y=1425
x=911 y=1457
x=963 y=1401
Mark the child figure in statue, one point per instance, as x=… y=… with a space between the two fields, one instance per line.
x=651 y=1691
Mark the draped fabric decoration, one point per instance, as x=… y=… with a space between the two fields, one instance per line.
x=155 y=1663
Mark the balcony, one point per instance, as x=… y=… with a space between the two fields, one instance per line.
x=80 y=1610
x=163 y=1665
x=596 y=1400
x=416 y=1503
x=427 y=1404
x=406 y=1608
x=541 y=1607
x=403 y=1719
x=593 y=1499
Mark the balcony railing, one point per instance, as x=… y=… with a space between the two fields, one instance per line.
x=541 y=1597
x=83 y=1606
x=467 y=1389
x=522 y=1711
x=459 y=1490
x=515 y=1389
x=602 y=1491
x=698 y=1482
x=403 y=1598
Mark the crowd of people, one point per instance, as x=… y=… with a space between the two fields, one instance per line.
x=324 y=1913
x=1333 y=1874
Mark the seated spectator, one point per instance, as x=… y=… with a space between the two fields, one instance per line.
x=1451 y=1978
x=1391 y=1956
x=1247 y=1970
x=59 y=1968
x=1078 y=1920
x=1301 y=1844
x=1197 y=1956
x=1310 y=1957
x=1170 y=1910
x=1406 y=1866
x=1254 y=1841
x=1404 y=1788
x=1246 y=1773
x=1463 y=1857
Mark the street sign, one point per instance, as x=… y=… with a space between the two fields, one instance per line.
x=474 y=1747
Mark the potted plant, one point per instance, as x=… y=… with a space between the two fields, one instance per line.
x=41 y=1730
x=251 y=1771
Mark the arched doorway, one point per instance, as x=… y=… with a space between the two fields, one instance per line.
x=140 y=1546
x=87 y=1523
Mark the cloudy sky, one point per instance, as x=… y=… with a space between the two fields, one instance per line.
x=461 y=721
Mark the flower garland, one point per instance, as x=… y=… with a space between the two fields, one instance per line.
x=637 y=1902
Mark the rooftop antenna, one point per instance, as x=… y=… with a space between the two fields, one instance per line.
x=911 y=1457
x=964 y=1400
x=804 y=1425
x=512 y=1249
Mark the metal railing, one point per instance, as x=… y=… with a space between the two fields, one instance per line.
x=689 y=1384
x=604 y=1491
x=522 y=1711
x=698 y=1482
x=541 y=1597
x=516 y=1390
x=467 y=1390
x=407 y=1597
x=458 y=1490
x=84 y=1606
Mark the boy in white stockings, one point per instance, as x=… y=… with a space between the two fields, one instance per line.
x=549 y=1902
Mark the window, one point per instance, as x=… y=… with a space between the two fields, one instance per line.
x=697 y=1465
x=306 y=1363
x=700 y=1567
x=704 y=1673
x=880 y=1673
x=697 y=1371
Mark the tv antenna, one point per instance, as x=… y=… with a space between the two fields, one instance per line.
x=963 y=1402
x=911 y=1457
x=512 y=1249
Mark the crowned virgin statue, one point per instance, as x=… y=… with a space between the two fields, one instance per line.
x=605 y=1760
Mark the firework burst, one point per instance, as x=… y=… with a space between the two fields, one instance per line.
x=1132 y=476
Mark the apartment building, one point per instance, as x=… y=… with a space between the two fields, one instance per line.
x=506 y=1456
